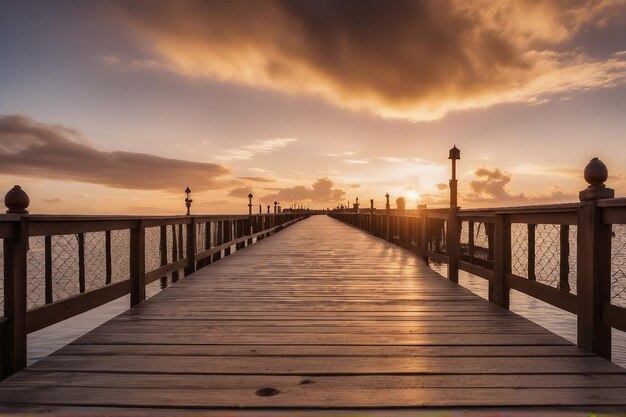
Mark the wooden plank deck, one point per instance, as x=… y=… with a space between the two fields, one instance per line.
x=318 y=316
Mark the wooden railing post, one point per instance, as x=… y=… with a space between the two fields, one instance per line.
x=470 y=242
x=48 y=268
x=81 y=262
x=564 y=258
x=227 y=235
x=108 y=258
x=219 y=239
x=453 y=244
x=137 y=264
x=250 y=228
x=594 y=263
x=174 y=252
x=207 y=242
x=593 y=279
x=180 y=242
x=502 y=260
x=423 y=231
x=13 y=340
x=190 y=250
x=163 y=252
x=531 y=252
x=371 y=216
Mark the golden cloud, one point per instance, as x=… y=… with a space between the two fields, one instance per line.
x=321 y=191
x=46 y=151
x=413 y=59
x=491 y=187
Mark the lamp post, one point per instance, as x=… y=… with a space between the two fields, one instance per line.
x=268 y=209
x=275 y=207
x=453 y=243
x=387 y=206
x=260 y=209
x=250 y=204
x=188 y=200
x=455 y=154
x=356 y=205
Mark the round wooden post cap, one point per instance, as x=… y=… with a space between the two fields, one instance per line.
x=16 y=201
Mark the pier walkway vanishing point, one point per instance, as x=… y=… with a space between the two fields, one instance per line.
x=321 y=315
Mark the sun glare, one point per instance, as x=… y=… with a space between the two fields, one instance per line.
x=412 y=195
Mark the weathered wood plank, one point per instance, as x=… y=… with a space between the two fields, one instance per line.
x=126 y=380
x=320 y=350
x=306 y=396
x=245 y=365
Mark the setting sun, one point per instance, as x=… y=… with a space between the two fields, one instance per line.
x=412 y=195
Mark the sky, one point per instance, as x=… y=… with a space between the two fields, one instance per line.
x=114 y=107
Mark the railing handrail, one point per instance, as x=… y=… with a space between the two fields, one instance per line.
x=81 y=217
x=228 y=231
x=593 y=219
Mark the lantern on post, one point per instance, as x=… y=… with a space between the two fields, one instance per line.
x=268 y=209
x=260 y=209
x=275 y=207
x=188 y=200
x=455 y=154
x=250 y=204
x=387 y=206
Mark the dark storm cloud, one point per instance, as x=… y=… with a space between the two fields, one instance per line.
x=28 y=148
x=416 y=59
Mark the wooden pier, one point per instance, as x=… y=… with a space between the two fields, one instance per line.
x=318 y=316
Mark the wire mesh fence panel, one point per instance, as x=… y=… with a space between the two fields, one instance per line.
x=414 y=227
x=65 y=269
x=618 y=265
x=519 y=249
x=481 y=241
x=35 y=272
x=95 y=260
x=573 y=259
x=169 y=239
x=438 y=235
x=152 y=248
x=464 y=233
x=120 y=255
x=183 y=243
x=464 y=238
x=200 y=237
x=547 y=250
x=213 y=234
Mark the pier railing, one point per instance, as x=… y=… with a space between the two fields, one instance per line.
x=56 y=267
x=572 y=256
